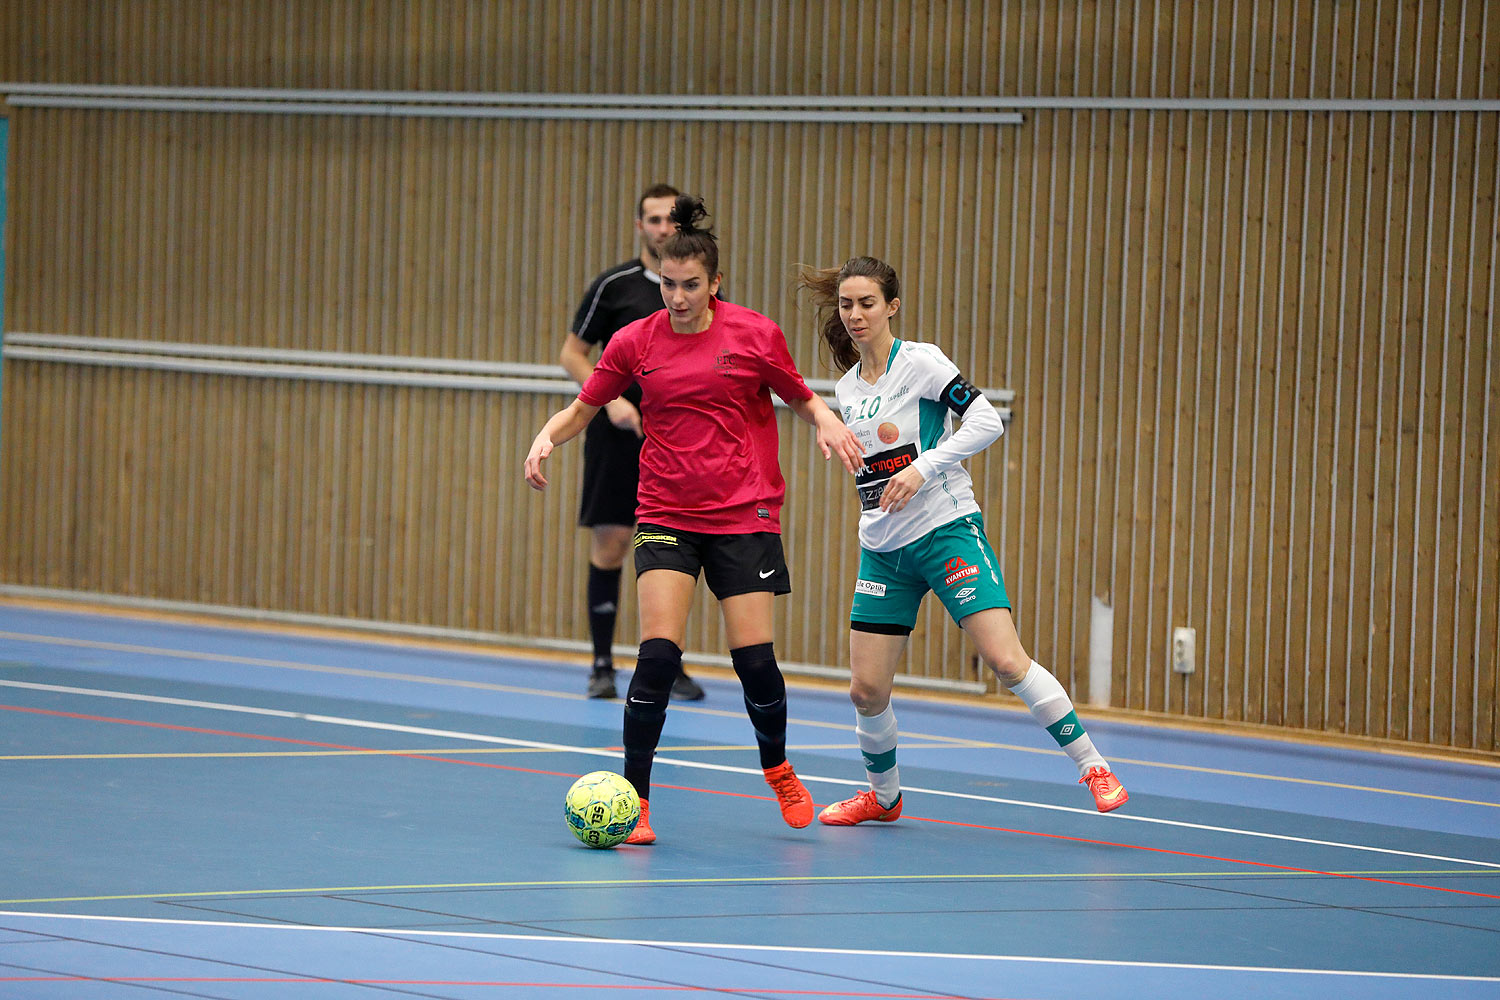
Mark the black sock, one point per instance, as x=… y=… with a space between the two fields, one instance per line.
x=765 y=699
x=646 y=708
x=604 y=605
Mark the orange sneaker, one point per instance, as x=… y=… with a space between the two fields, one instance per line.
x=1109 y=794
x=643 y=834
x=791 y=794
x=860 y=809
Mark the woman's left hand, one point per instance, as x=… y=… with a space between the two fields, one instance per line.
x=901 y=488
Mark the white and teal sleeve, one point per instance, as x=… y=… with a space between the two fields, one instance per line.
x=981 y=422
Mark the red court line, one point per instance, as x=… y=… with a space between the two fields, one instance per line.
x=747 y=795
x=1207 y=857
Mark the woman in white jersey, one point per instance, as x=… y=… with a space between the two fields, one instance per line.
x=920 y=529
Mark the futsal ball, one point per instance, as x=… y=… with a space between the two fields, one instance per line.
x=602 y=808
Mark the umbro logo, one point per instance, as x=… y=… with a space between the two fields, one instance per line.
x=1067 y=730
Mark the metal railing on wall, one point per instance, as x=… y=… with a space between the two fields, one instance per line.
x=843 y=109
x=328 y=366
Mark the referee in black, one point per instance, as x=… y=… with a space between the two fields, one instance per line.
x=612 y=443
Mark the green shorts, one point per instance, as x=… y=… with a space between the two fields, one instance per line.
x=954 y=561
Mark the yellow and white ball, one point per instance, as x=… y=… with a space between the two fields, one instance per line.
x=602 y=808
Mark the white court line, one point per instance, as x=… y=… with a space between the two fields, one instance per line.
x=335 y=720
x=783 y=949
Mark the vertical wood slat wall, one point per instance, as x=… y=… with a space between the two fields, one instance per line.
x=1255 y=353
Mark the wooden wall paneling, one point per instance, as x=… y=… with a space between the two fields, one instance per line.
x=1218 y=320
x=1348 y=256
x=1471 y=325
x=1195 y=407
x=1381 y=690
x=1263 y=417
x=1487 y=517
x=1331 y=497
x=1284 y=388
x=420 y=472
x=1307 y=553
x=1434 y=659
x=1127 y=678
x=1152 y=478
x=455 y=432
x=1426 y=334
x=1241 y=425
x=1177 y=351
x=1367 y=295
x=434 y=504
x=1413 y=498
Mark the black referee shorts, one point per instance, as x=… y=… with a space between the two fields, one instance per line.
x=611 y=473
x=748 y=563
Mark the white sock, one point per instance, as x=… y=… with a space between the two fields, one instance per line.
x=877 y=744
x=1051 y=706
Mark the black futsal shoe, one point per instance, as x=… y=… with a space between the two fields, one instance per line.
x=684 y=688
x=602 y=683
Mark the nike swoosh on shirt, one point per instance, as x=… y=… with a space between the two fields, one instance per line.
x=648 y=371
x=767 y=573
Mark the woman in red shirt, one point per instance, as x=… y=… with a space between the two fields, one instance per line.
x=710 y=492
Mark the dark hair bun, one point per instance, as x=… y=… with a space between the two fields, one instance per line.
x=687 y=213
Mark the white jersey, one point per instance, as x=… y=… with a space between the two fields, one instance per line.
x=906 y=419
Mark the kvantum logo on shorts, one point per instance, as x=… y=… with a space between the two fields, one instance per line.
x=869 y=587
x=953 y=578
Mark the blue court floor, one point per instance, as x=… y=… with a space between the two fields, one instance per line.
x=243 y=812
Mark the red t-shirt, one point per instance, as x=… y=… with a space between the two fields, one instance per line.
x=709 y=462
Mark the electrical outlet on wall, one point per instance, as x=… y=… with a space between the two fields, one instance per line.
x=1184 y=650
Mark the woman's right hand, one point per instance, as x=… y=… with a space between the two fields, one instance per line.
x=540 y=449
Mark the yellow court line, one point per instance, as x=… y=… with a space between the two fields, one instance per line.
x=748 y=880
x=510 y=689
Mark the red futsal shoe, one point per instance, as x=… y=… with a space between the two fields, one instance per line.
x=1109 y=794
x=643 y=834
x=863 y=808
x=791 y=794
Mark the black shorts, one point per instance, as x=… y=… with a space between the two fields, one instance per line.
x=749 y=563
x=611 y=473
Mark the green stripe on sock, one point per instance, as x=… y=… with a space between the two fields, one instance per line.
x=879 y=763
x=1066 y=730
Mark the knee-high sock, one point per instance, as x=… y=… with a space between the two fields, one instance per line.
x=656 y=665
x=1051 y=706
x=765 y=699
x=877 y=744
x=604 y=605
